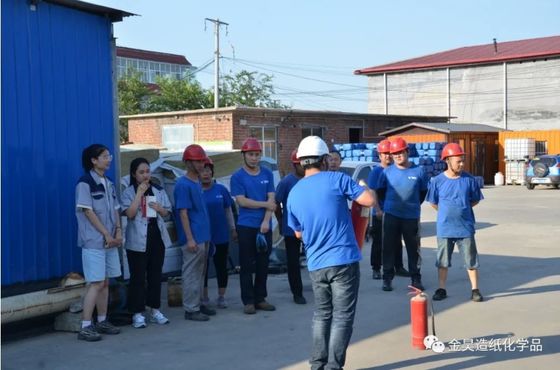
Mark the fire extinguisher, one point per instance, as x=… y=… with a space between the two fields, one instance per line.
x=360 y=220
x=419 y=318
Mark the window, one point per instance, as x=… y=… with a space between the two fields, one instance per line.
x=541 y=148
x=312 y=131
x=267 y=137
x=177 y=137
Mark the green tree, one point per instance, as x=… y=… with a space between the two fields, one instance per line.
x=134 y=97
x=177 y=95
x=251 y=89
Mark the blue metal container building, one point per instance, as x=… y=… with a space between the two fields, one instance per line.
x=58 y=96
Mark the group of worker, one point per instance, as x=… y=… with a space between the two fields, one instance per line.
x=402 y=187
x=312 y=211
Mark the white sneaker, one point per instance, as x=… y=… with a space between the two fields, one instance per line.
x=158 y=318
x=138 y=321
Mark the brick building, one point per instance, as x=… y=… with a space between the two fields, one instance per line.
x=278 y=130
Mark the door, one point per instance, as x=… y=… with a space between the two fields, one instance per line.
x=354 y=135
x=478 y=150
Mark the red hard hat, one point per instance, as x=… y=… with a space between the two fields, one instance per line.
x=194 y=152
x=451 y=150
x=398 y=145
x=251 y=145
x=208 y=162
x=384 y=146
x=294 y=157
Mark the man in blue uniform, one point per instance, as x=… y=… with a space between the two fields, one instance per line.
x=318 y=214
x=252 y=186
x=404 y=185
x=292 y=243
x=385 y=160
x=193 y=231
x=453 y=194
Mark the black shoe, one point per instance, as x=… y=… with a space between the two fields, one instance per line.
x=417 y=283
x=439 y=295
x=105 y=327
x=265 y=306
x=207 y=310
x=89 y=334
x=401 y=271
x=298 y=299
x=196 y=316
x=387 y=285
x=476 y=296
x=376 y=275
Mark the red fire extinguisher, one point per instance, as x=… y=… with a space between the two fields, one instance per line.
x=419 y=318
x=360 y=219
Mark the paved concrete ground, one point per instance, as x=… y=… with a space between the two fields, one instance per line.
x=520 y=278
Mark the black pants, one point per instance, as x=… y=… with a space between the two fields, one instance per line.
x=377 y=246
x=146 y=266
x=220 y=263
x=395 y=228
x=251 y=261
x=293 y=245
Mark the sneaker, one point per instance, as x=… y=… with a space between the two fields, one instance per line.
x=196 y=316
x=376 y=275
x=207 y=310
x=401 y=271
x=298 y=299
x=439 y=295
x=249 y=309
x=221 y=302
x=265 y=306
x=476 y=296
x=159 y=318
x=138 y=321
x=417 y=283
x=105 y=327
x=89 y=334
x=387 y=285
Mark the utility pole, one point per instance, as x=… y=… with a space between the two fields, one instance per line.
x=217 y=24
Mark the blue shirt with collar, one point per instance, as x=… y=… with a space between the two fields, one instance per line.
x=188 y=195
x=254 y=187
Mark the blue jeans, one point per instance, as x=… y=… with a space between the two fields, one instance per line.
x=336 y=294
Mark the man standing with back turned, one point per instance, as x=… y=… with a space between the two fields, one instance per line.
x=318 y=213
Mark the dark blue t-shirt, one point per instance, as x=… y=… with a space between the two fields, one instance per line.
x=254 y=187
x=188 y=195
x=373 y=182
x=318 y=208
x=217 y=200
x=403 y=187
x=455 y=216
x=282 y=191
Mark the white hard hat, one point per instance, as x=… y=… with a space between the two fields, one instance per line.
x=312 y=146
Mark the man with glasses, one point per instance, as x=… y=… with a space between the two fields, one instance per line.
x=405 y=186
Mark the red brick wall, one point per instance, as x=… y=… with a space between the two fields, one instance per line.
x=206 y=127
x=225 y=125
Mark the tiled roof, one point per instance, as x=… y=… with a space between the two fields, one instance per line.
x=538 y=48
x=444 y=127
x=153 y=56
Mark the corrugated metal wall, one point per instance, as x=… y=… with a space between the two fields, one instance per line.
x=56 y=100
x=552 y=137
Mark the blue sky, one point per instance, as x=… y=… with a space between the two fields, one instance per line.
x=312 y=47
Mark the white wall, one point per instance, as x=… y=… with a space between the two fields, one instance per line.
x=476 y=94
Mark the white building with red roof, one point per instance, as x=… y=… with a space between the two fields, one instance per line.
x=513 y=85
x=151 y=64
